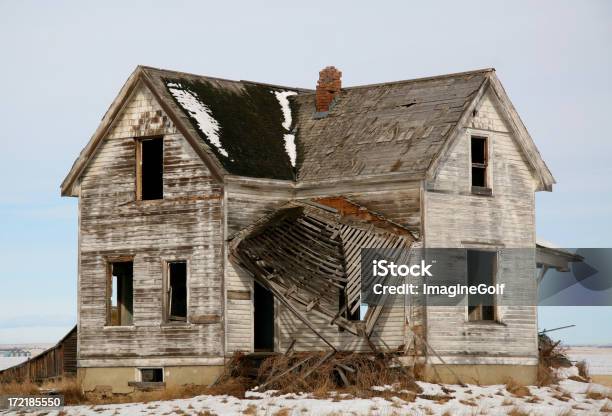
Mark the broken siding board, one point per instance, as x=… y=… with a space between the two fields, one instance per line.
x=454 y=217
x=186 y=224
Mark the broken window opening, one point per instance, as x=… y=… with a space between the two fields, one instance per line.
x=479 y=162
x=152 y=375
x=481 y=269
x=120 y=294
x=176 y=291
x=150 y=169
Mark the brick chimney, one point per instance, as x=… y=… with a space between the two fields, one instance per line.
x=328 y=86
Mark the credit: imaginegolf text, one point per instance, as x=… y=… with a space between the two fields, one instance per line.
x=384 y=268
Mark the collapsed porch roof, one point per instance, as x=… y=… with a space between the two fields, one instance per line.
x=308 y=252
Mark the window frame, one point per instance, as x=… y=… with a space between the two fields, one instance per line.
x=109 y=289
x=166 y=289
x=138 y=161
x=496 y=316
x=487 y=189
x=139 y=374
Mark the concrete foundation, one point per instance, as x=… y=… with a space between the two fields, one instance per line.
x=115 y=379
x=483 y=374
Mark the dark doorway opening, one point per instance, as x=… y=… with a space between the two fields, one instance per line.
x=263 y=303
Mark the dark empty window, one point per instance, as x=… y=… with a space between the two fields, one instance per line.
x=354 y=315
x=120 y=294
x=150 y=169
x=481 y=269
x=177 y=291
x=152 y=375
x=479 y=162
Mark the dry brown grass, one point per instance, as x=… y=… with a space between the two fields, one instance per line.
x=545 y=375
x=233 y=387
x=68 y=387
x=578 y=379
x=368 y=371
x=606 y=408
x=469 y=402
x=517 y=389
x=438 y=398
x=594 y=395
x=516 y=411
x=566 y=412
x=551 y=355
x=15 y=388
x=283 y=412
x=250 y=410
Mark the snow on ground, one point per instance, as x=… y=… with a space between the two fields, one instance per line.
x=6 y=362
x=598 y=359
x=200 y=112
x=283 y=100
x=435 y=399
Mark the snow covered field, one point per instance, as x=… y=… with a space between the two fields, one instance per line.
x=436 y=399
x=599 y=360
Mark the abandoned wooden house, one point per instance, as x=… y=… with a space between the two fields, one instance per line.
x=218 y=216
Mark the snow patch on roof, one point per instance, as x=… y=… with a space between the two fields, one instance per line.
x=200 y=112
x=283 y=100
x=290 y=148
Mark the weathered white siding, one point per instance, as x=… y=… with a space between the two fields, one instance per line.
x=186 y=224
x=243 y=207
x=455 y=218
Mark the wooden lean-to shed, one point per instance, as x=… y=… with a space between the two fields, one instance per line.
x=54 y=363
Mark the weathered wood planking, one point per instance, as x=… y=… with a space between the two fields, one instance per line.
x=54 y=363
x=243 y=207
x=456 y=218
x=197 y=216
x=186 y=224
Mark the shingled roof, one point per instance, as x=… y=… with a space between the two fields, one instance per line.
x=258 y=130
x=379 y=129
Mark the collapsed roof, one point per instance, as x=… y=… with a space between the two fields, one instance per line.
x=258 y=130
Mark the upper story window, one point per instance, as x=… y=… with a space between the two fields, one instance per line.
x=150 y=168
x=480 y=165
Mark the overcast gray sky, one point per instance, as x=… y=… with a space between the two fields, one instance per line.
x=63 y=63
